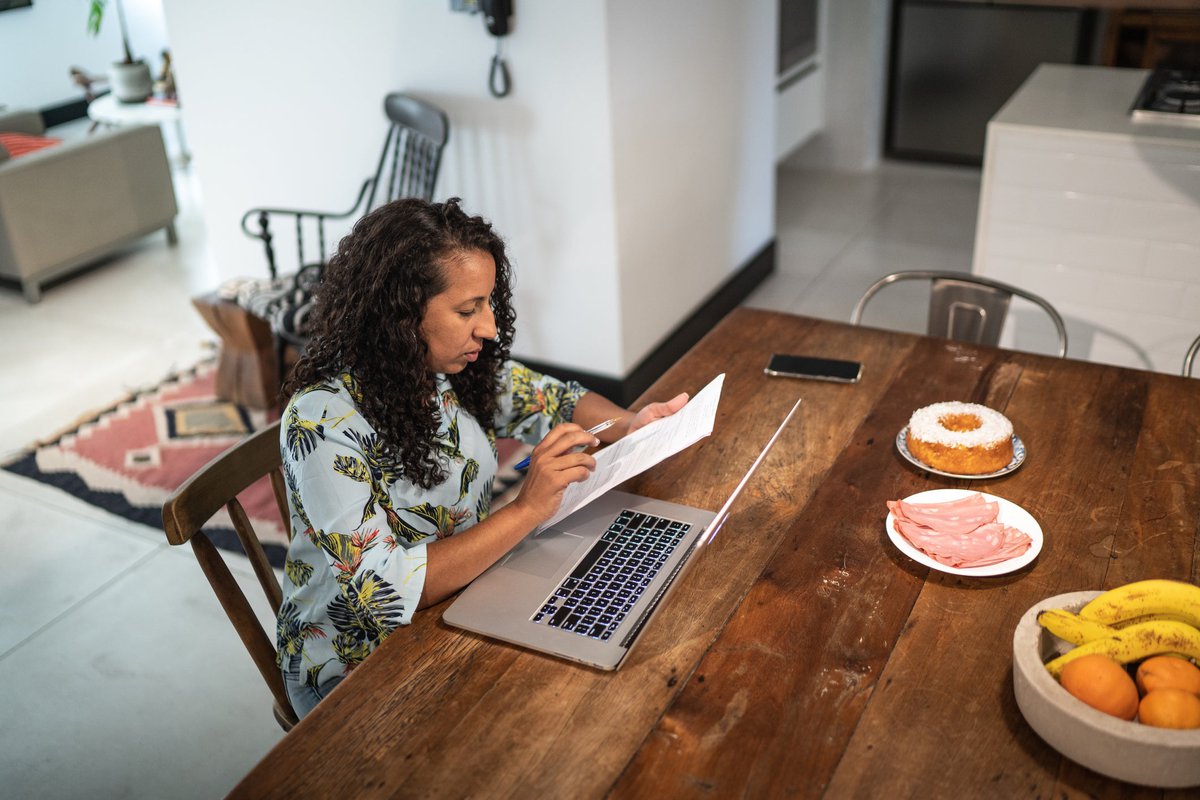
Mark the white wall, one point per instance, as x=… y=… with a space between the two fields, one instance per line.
x=693 y=115
x=854 y=62
x=578 y=168
x=39 y=45
x=147 y=25
x=287 y=111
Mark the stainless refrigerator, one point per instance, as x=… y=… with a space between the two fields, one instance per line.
x=954 y=64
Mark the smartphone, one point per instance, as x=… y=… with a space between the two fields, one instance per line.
x=821 y=369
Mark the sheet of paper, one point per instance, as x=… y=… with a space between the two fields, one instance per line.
x=644 y=448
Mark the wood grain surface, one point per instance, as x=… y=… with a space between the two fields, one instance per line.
x=247 y=372
x=802 y=655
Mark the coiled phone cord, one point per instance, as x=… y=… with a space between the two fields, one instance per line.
x=499 y=82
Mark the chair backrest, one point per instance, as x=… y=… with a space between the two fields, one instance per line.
x=965 y=307
x=407 y=166
x=193 y=504
x=1189 y=360
x=412 y=151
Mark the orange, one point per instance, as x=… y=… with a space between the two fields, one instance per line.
x=1170 y=708
x=1102 y=683
x=1168 y=672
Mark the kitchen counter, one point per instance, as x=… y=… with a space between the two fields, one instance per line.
x=1096 y=213
x=1082 y=99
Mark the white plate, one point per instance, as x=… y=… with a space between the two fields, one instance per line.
x=1018 y=457
x=1010 y=514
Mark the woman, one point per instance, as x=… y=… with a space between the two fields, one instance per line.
x=389 y=440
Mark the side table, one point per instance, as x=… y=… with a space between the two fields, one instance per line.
x=107 y=110
x=246 y=368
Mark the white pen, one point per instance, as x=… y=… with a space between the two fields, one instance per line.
x=603 y=426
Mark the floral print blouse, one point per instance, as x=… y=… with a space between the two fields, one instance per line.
x=356 y=565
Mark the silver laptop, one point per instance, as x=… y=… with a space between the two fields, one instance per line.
x=585 y=588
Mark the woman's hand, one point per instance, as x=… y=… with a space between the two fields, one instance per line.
x=457 y=560
x=552 y=465
x=656 y=411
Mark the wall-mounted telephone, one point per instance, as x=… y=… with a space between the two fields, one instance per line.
x=496 y=14
x=497 y=18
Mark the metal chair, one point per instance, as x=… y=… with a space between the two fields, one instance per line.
x=1190 y=359
x=407 y=167
x=965 y=307
x=193 y=504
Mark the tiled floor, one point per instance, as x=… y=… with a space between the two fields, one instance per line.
x=838 y=233
x=121 y=676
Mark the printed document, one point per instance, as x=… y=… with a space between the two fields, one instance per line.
x=644 y=448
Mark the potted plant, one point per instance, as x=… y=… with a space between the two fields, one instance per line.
x=130 y=79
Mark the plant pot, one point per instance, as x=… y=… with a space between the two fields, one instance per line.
x=131 y=83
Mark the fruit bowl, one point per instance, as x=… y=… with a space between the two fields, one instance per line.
x=1127 y=751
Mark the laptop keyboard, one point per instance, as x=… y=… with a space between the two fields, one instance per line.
x=598 y=594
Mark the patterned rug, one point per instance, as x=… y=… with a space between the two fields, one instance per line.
x=128 y=458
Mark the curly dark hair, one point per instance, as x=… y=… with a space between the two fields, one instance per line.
x=367 y=317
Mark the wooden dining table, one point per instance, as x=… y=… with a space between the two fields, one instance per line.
x=802 y=654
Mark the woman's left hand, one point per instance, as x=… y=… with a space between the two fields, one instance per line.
x=656 y=411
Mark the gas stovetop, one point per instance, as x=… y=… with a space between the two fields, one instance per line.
x=1170 y=97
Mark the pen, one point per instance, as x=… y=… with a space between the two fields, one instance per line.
x=608 y=423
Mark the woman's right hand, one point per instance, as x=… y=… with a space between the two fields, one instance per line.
x=553 y=464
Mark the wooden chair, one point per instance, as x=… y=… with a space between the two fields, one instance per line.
x=965 y=307
x=407 y=167
x=217 y=485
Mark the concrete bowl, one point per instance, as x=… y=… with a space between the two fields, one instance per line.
x=1127 y=751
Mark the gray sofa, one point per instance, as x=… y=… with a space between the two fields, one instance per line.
x=66 y=206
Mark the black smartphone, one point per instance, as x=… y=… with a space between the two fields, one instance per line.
x=821 y=369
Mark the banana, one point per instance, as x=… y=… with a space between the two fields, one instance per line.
x=1141 y=598
x=1145 y=618
x=1072 y=627
x=1137 y=642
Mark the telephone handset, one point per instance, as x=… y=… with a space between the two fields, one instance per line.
x=497 y=17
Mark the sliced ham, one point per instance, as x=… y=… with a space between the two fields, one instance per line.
x=962 y=533
x=958 y=516
x=1013 y=543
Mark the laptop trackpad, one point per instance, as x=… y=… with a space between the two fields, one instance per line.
x=542 y=555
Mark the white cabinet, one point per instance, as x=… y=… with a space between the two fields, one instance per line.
x=800 y=78
x=1099 y=215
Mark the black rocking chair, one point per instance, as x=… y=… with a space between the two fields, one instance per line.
x=408 y=167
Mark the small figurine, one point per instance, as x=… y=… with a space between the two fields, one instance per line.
x=165 y=85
